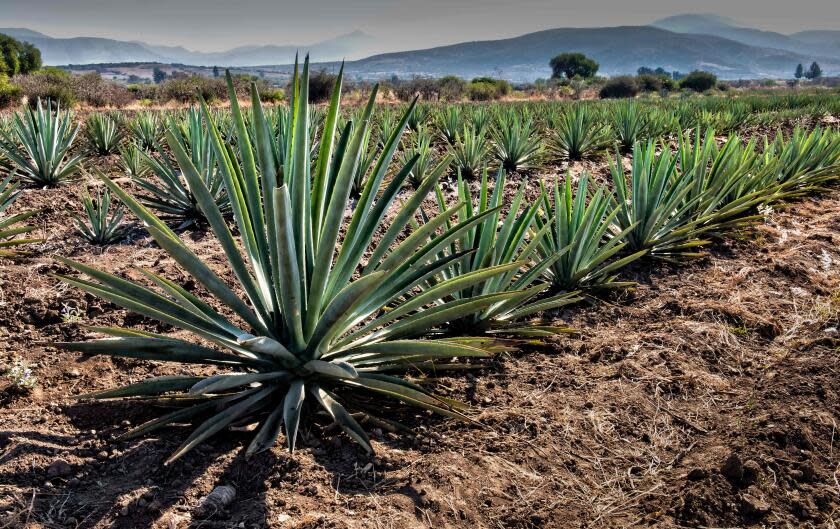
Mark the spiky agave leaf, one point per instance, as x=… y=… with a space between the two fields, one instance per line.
x=39 y=146
x=420 y=147
x=295 y=342
x=580 y=225
x=132 y=161
x=12 y=226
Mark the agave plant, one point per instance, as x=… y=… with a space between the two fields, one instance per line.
x=366 y=161
x=419 y=147
x=132 y=161
x=469 y=152
x=449 y=123
x=629 y=124
x=653 y=213
x=583 y=232
x=294 y=344
x=417 y=119
x=388 y=122
x=516 y=144
x=146 y=130
x=12 y=226
x=100 y=225
x=579 y=134
x=39 y=146
x=103 y=134
x=504 y=245
x=480 y=120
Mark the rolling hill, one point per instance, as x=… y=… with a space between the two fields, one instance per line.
x=619 y=50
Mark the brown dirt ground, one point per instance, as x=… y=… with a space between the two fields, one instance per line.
x=707 y=397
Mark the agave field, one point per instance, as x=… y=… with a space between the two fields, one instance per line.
x=613 y=313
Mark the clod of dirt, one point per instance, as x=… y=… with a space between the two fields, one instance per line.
x=733 y=468
x=753 y=503
x=752 y=471
x=697 y=474
x=217 y=500
x=59 y=469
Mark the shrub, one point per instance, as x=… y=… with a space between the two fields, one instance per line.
x=451 y=88
x=699 y=81
x=320 y=86
x=487 y=89
x=48 y=84
x=624 y=86
x=92 y=89
x=571 y=65
x=9 y=94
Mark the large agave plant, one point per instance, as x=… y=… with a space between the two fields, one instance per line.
x=582 y=232
x=103 y=134
x=580 y=133
x=294 y=345
x=39 y=146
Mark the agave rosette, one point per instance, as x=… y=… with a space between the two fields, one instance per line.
x=311 y=331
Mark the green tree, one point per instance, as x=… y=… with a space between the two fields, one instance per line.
x=800 y=71
x=158 y=75
x=814 y=72
x=30 y=58
x=573 y=64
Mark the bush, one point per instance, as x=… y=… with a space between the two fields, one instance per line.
x=620 y=87
x=48 y=84
x=186 y=89
x=699 y=81
x=9 y=94
x=92 y=89
x=321 y=86
x=451 y=88
x=487 y=89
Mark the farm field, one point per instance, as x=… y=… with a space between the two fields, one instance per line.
x=601 y=314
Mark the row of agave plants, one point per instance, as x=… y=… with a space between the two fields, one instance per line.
x=332 y=312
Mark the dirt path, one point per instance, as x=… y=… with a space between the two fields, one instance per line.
x=709 y=397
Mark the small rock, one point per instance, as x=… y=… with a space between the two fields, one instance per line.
x=75 y=373
x=59 y=469
x=733 y=468
x=217 y=500
x=125 y=511
x=283 y=517
x=102 y=454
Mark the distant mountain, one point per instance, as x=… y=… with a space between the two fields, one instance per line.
x=90 y=50
x=826 y=40
x=729 y=29
x=619 y=50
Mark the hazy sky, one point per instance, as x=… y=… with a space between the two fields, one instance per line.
x=211 y=25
